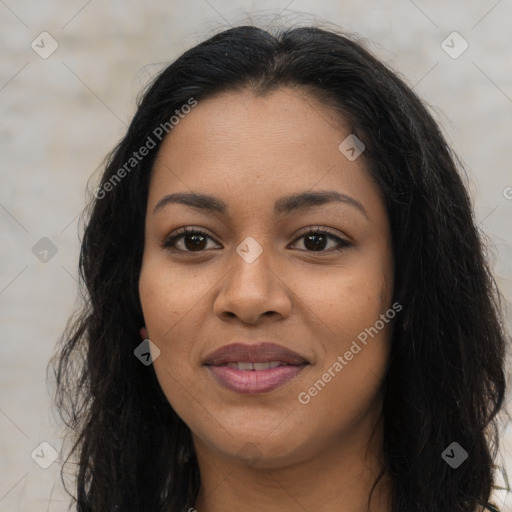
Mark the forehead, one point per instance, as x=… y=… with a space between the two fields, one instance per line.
x=251 y=149
x=288 y=118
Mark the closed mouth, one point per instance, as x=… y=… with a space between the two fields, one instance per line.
x=268 y=365
x=259 y=356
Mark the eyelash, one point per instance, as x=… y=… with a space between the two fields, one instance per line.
x=182 y=232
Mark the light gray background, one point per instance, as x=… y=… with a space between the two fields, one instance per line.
x=61 y=115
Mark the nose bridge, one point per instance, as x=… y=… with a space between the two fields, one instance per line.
x=252 y=265
x=252 y=286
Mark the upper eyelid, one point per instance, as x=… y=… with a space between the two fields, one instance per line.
x=185 y=230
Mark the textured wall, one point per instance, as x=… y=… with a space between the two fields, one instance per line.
x=63 y=111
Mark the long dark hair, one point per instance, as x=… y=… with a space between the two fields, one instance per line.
x=446 y=379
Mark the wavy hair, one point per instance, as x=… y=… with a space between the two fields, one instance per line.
x=446 y=379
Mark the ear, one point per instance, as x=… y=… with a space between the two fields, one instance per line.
x=143 y=333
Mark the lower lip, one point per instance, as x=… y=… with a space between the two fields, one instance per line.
x=254 y=381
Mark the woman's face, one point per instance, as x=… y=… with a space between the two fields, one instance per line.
x=257 y=275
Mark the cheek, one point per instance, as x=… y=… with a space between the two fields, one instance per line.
x=351 y=306
x=338 y=401
x=170 y=302
x=346 y=382
x=349 y=302
x=166 y=296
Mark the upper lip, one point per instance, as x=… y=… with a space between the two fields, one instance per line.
x=253 y=353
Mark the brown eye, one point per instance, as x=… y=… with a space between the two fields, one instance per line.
x=316 y=241
x=193 y=240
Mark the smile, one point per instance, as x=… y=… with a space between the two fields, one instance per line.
x=255 y=366
x=251 y=378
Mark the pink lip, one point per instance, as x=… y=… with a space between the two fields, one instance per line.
x=254 y=381
x=255 y=353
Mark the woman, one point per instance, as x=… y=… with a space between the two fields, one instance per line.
x=287 y=303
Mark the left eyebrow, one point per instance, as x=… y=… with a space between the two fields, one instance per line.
x=286 y=204
x=307 y=200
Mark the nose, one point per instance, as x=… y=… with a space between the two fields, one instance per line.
x=250 y=291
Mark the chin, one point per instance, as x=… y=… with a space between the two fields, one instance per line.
x=261 y=450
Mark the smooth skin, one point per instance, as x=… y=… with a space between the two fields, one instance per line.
x=268 y=451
